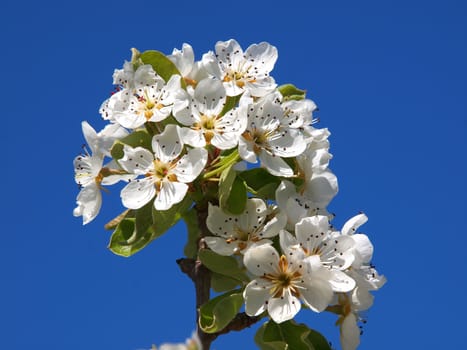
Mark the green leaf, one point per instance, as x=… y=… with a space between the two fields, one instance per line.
x=161 y=64
x=138 y=138
x=125 y=241
x=289 y=335
x=226 y=181
x=230 y=103
x=291 y=92
x=260 y=182
x=224 y=265
x=318 y=340
x=232 y=192
x=221 y=283
x=218 y=312
x=165 y=219
x=191 y=221
x=133 y=234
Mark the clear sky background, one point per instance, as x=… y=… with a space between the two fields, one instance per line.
x=390 y=79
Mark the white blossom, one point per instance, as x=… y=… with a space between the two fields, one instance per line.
x=244 y=71
x=204 y=121
x=237 y=233
x=322 y=247
x=166 y=173
x=281 y=281
x=192 y=71
x=265 y=137
x=89 y=174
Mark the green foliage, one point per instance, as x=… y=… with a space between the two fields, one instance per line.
x=260 y=182
x=161 y=64
x=133 y=234
x=224 y=265
x=232 y=192
x=221 y=283
x=230 y=103
x=138 y=138
x=191 y=221
x=218 y=312
x=289 y=336
x=291 y=92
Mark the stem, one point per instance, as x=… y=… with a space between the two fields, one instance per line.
x=201 y=277
x=227 y=161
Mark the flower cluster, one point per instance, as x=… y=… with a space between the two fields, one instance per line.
x=185 y=134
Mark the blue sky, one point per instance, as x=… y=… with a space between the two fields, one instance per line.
x=390 y=79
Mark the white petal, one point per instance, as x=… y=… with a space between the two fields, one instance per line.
x=90 y=136
x=256 y=294
x=194 y=138
x=261 y=259
x=350 y=333
x=340 y=281
x=287 y=241
x=265 y=56
x=89 y=201
x=274 y=225
x=129 y=120
x=275 y=165
x=352 y=225
x=289 y=143
x=321 y=188
x=220 y=245
x=137 y=160
x=169 y=194
x=364 y=248
x=167 y=145
x=311 y=231
x=245 y=150
x=253 y=216
x=284 y=308
x=210 y=94
x=220 y=223
x=191 y=164
x=138 y=192
x=361 y=299
x=317 y=294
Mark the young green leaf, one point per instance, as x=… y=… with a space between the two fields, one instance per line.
x=138 y=138
x=161 y=64
x=221 y=283
x=232 y=192
x=289 y=335
x=224 y=265
x=191 y=221
x=216 y=314
x=125 y=241
x=291 y=92
x=260 y=182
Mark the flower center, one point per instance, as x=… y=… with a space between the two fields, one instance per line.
x=285 y=279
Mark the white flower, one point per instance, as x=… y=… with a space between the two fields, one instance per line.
x=148 y=103
x=241 y=71
x=323 y=248
x=206 y=124
x=101 y=142
x=299 y=114
x=266 y=138
x=128 y=77
x=312 y=200
x=348 y=323
x=166 y=174
x=280 y=283
x=192 y=71
x=237 y=233
x=89 y=174
x=361 y=270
